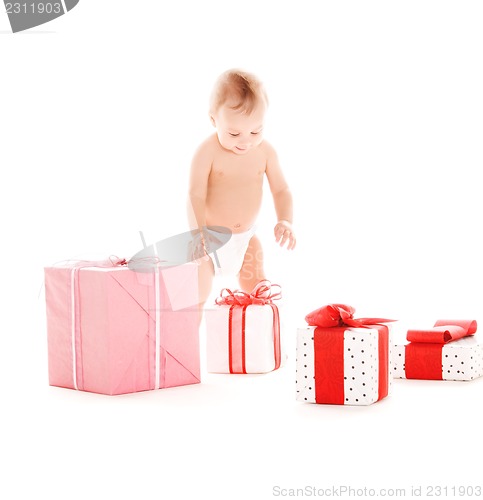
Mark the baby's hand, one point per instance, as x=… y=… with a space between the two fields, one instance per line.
x=284 y=234
x=197 y=247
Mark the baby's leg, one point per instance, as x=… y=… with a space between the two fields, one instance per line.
x=205 y=281
x=252 y=271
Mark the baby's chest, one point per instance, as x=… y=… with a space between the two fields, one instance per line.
x=238 y=169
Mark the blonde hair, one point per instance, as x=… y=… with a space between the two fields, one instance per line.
x=245 y=89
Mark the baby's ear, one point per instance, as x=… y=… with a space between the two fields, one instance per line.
x=212 y=121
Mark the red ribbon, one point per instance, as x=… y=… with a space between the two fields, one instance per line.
x=264 y=293
x=335 y=315
x=331 y=322
x=424 y=353
x=444 y=331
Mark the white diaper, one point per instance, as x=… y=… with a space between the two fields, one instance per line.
x=229 y=258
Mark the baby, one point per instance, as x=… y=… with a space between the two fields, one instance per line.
x=226 y=182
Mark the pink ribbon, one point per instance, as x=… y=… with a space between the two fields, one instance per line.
x=112 y=261
x=76 y=266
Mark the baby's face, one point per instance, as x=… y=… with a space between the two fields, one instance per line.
x=237 y=131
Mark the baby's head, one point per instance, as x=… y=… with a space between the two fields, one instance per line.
x=237 y=110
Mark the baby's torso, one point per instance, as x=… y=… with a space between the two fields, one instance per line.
x=235 y=187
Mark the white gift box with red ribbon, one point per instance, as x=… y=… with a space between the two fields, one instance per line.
x=243 y=331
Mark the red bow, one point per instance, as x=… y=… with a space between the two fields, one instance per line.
x=262 y=293
x=423 y=354
x=334 y=315
x=329 y=372
x=117 y=261
x=444 y=331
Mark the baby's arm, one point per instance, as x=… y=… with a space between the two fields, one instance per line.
x=282 y=199
x=198 y=185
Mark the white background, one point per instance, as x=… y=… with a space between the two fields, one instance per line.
x=376 y=112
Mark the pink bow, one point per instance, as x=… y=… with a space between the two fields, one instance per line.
x=263 y=293
x=117 y=261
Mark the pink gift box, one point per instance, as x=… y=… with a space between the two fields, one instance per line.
x=112 y=330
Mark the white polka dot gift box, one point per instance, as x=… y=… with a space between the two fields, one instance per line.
x=243 y=331
x=342 y=360
x=447 y=351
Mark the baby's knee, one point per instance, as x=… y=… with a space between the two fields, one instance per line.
x=205 y=278
x=254 y=252
x=252 y=267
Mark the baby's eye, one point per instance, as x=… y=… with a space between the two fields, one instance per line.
x=255 y=133
x=233 y=135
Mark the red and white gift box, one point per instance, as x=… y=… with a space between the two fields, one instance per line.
x=341 y=360
x=449 y=350
x=243 y=331
x=112 y=330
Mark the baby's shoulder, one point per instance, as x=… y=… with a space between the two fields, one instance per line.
x=267 y=149
x=207 y=149
x=209 y=144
